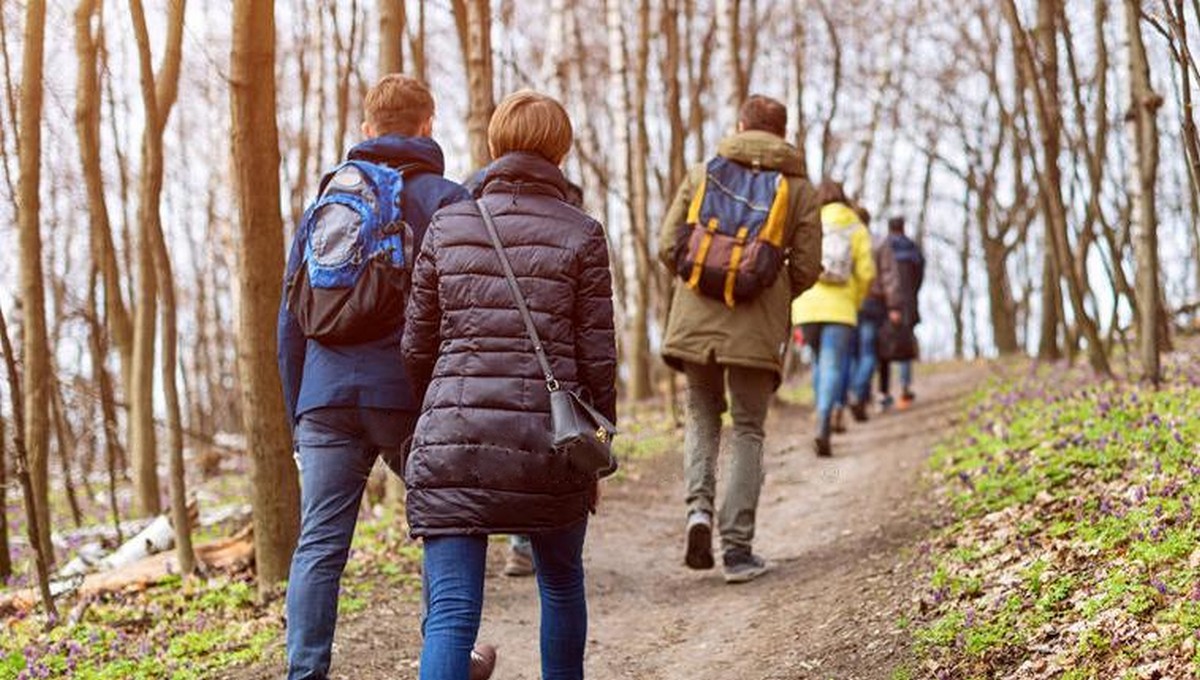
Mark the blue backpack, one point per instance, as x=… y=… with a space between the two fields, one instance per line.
x=358 y=253
x=731 y=246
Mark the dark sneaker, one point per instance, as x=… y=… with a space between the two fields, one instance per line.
x=483 y=662
x=822 y=448
x=886 y=403
x=742 y=566
x=518 y=563
x=699 y=541
x=859 y=411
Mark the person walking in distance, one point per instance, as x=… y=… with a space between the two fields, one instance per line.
x=483 y=460
x=742 y=237
x=897 y=337
x=884 y=302
x=828 y=312
x=340 y=324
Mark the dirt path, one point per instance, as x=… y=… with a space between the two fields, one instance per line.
x=836 y=531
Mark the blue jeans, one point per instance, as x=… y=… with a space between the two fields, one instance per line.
x=335 y=450
x=885 y=376
x=453 y=575
x=863 y=364
x=831 y=344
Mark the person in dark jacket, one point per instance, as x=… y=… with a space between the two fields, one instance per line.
x=481 y=460
x=347 y=403
x=519 y=560
x=883 y=304
x=910 y=274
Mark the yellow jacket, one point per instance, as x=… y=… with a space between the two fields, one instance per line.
x=839 y=303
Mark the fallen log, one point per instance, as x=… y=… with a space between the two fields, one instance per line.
x=232 y=554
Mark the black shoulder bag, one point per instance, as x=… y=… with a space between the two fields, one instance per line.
x=579 y=432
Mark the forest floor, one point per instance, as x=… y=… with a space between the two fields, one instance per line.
x=841 y=533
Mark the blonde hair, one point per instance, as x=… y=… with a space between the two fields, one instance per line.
x=398 y=104
x=533 y=122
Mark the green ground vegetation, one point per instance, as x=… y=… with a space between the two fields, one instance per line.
x=1069 y=541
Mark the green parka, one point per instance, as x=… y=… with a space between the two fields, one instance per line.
x=753 y=334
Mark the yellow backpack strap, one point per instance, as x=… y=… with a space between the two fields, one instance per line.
x=735 y=259
x=693 y=215
x=702 y=255
x=773 y=231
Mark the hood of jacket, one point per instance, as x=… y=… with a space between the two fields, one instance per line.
x=756 y=148
x=839 y=216
x=520 y=173
x=398 y=151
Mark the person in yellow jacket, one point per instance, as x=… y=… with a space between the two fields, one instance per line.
x=828 y=312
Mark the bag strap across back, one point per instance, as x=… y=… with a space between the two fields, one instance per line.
x=519 y=298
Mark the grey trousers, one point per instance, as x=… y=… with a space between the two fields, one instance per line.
x=750 y=392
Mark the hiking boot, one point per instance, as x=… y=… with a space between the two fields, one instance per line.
x=859 y=411
x=822 y=448
x=483 y=662
x=906 y=401
x=518 y=563
x=837 y=421
x=742 y=566
x=699 y=540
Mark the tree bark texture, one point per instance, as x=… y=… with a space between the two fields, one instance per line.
x=260 y=232
x=391 y=37
x=1143 y=122
x=35 y=350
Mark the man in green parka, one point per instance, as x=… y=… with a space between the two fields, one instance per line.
x=738 y=347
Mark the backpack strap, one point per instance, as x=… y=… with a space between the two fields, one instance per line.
x=702 y=254
x=735 y=259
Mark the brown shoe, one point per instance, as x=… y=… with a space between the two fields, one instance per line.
x=518 y=563
x=838 y=421
x=483 y=662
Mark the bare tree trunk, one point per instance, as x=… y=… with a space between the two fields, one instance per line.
x=391 y=37
x=158 y=99
x=1144 y=128
x=827 y=141
x=474 y=22
x=344 y=71
x=66 y=445
x=1043 y=83
x=640 y=377
x=416 y=44
x=731 y=77
x=108 y=410
x=38 y=534
x=5 y=549
x=35 y=351
x=256 y=161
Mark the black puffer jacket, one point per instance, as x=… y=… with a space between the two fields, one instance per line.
x=481 y=459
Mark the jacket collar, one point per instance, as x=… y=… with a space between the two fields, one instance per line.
x=520 y=172
x=763 y=149
x=398 y=151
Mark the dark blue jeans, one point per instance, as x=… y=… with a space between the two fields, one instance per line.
x=831 y=344
x=335 y=450
x=454 y=570
x=862 y=365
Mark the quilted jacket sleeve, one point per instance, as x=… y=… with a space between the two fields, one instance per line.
x=595 y=338
x=423 y=317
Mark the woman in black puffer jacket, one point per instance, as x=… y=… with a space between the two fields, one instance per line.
x=481 y=460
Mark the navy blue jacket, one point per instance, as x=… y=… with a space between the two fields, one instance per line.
x=911 y=264
x=372 y=374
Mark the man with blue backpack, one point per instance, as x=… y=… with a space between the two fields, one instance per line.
x=743 y=238
x=340 y=325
